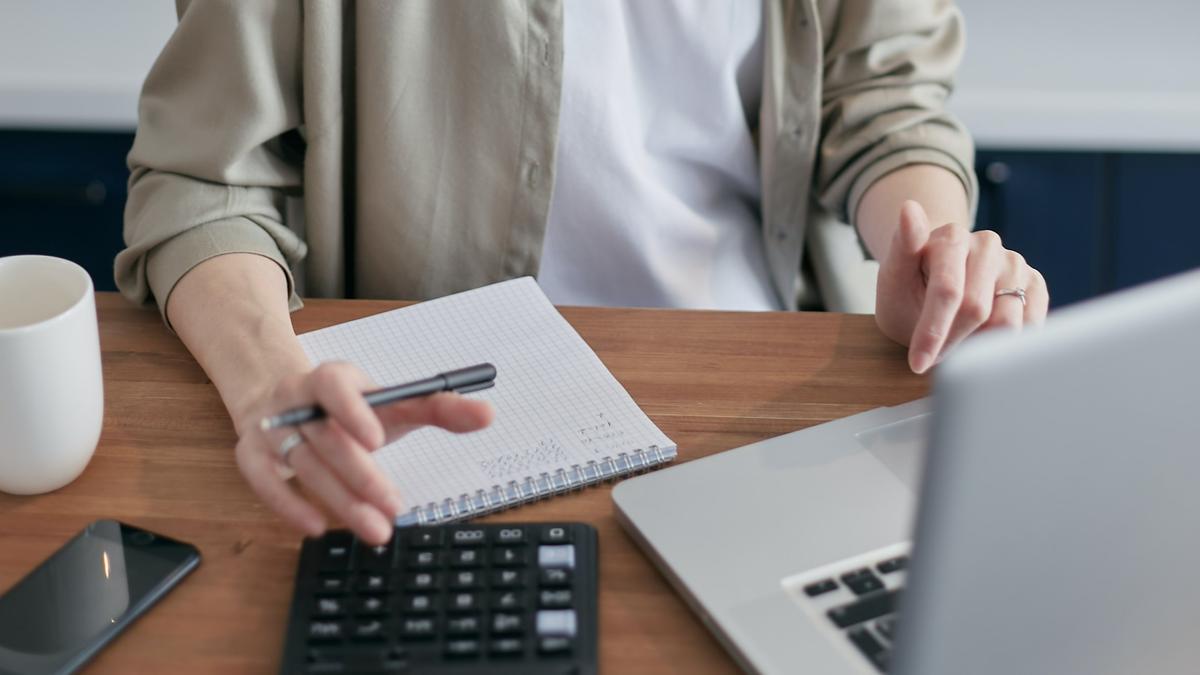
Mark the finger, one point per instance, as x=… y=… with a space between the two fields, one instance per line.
x=258 y=466
x=1037 y=295
x=338 y=388
x=910 y=238
x=353 y=465
x=367 y=521
x=449 y=411
x=1008 y=310
x=984 y=263
x=946 y=261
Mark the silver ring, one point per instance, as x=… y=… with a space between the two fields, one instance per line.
x=1015 y=292
x=285 y=448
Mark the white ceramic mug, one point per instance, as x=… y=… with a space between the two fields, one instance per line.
x=51 y=389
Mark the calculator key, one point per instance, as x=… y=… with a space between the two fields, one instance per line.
x=325 y=631
x=469 y=537
x=417 y=628
x=373 y=583
x=375 y=557
x=463 y=602
x=893 y=565
x=465 y=579
x=369 y=630
x=559 y=622
x=510 y=536
x=467 y=557
x=557 y=556
x=555 y=534
x=554 y=576
x=871 y=648
x=335 y=553
x=419 y=604
x=555 y=599
x=421 y=581
x=868 y=607
x=331 y=584
x=370 y=605
x=552 y=646
x=886 y=626
x=327 y=607
x=508 y=600
x=507 y=647
x=425 y=537
x=467 y=624
x=820 y=587
x=508 y=579
x=505 y=623
x=862 y=581
x=508 y=557
x=461 y=649
x=422 y=560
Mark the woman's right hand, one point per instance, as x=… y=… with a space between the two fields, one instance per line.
x=333 y=463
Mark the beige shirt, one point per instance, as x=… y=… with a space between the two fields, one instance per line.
x=421 y=136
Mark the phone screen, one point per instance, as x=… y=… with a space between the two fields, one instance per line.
x=59 y=615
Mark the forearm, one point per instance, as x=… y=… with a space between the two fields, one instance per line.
x=938 y=190
x=231 y=312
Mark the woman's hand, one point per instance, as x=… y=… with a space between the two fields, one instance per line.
x=333 y=462
x=938 y=285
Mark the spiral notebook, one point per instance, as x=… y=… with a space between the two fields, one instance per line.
x=562 y=420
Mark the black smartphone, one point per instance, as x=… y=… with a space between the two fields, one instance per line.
x=78 y=599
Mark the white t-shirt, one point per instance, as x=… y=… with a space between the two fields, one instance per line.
x=656 y=197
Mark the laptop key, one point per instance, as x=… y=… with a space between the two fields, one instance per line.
x=866 y=608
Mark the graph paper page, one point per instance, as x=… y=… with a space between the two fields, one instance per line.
x=556 y=404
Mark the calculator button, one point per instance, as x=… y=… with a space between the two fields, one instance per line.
x=419 y=604
x=555 y=599
x=331 y=584
x=510 y=536
x=555 y=576
x=460 y=649
x=504 y=623
x=425 y=537
x=417 y=628
x=469 y=537
x=335 y=552
x=370 y=605
x=421 y=581
x=555 y=534
x=507 y=647
x=508 y=557
x=465 y=624
x=369 y=630
x=465 y=579
x=862 y=581
x=556 y=556
x=326 y=607
x=893 y=565
x=554 y=645
x=373 y=583
x=817 y=588
x=374 y=557
x=423 y=560
x=325 y=631
x=463 y=602
x=467 y=557
x=560 y=622
x=508 y=600
x=508 y=579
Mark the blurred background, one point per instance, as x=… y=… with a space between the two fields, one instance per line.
x=1086 y=114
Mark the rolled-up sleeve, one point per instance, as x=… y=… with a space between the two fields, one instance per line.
x=889 y=69
x=216 y=148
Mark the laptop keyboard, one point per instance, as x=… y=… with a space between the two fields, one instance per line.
x=858 y=601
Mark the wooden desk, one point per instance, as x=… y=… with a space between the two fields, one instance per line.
x=712 y=381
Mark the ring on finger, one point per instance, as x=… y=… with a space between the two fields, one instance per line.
x=1016 y=292
x=284 y=452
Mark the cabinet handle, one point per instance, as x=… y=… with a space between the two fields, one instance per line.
x=997 y=173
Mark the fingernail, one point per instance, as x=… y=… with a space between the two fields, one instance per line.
x=395 y=504
x=921 y=362
x=315 y=527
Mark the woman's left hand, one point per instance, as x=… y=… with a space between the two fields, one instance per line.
x=938 y=285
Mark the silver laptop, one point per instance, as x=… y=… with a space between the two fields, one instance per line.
x=1057 y=531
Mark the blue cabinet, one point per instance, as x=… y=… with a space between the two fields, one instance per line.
x=1155 y=217
x=63 y=194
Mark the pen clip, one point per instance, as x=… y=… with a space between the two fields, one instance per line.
x=475 y=387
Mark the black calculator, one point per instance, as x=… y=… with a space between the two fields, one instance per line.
x=462 y=598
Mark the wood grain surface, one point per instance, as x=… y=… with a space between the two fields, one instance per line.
x=711 y=380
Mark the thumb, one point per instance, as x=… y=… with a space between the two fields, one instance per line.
x=914 y=229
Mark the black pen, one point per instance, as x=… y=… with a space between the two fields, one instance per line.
x=462 y=381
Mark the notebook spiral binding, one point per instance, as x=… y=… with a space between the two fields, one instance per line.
x=530 y=488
